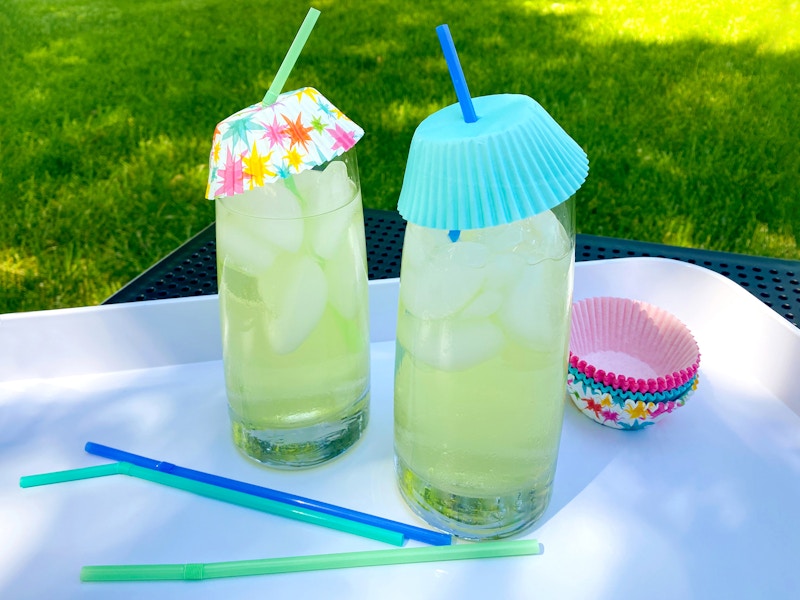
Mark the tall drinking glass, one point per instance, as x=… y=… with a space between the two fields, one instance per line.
x=292 y=273
x=484 y=314
x=292 y=276
x=482 y=348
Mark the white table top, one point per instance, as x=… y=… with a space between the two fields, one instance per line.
x=703 y=504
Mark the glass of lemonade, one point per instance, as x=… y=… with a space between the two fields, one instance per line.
x=482 y=347
x=484 y=315
x=292 y=274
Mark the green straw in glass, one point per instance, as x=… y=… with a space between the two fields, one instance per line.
x=294 y=564
x=291 y=57
x=208 y=490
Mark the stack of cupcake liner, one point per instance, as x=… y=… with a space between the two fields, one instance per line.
x=631 y=363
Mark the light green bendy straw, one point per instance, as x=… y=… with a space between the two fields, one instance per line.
x=291 y=57
x=315 y=562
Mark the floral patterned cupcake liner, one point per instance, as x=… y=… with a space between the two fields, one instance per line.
x=262 y=144
x=609 y=408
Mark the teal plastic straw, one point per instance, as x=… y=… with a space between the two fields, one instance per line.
x=265 y=505
x=294 y=564
x=456 y=73
x=435 y=538
x=291 y=57
x=71 y=475
x=224 y=494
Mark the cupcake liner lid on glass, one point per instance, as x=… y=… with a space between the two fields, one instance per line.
x=280 y=136
x=260 y=144
x=513 y=162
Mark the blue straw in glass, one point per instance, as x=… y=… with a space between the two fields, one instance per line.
x=456 y=73
x=420 y=534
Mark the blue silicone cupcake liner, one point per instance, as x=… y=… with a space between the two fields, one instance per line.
x=514 y=162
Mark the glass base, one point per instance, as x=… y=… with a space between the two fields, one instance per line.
x=473 y=518
x=303 y=447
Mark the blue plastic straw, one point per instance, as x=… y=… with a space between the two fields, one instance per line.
x=420 y=534
x=456 y=73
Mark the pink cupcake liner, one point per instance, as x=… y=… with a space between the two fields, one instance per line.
x=631 y=345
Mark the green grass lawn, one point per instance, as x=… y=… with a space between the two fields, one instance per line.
x=688 y=112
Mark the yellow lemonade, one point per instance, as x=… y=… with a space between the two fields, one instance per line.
x=294 y=308
x=482 y=345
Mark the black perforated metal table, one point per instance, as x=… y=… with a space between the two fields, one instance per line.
x=191 y=270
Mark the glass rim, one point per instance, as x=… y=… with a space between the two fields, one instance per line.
x=230 y=204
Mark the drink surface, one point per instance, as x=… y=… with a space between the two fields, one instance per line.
x=482 y=343
x=293 y=305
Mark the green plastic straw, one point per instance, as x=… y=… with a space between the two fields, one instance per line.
x=291 y=57
x=294 y=564
x=207 y=490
